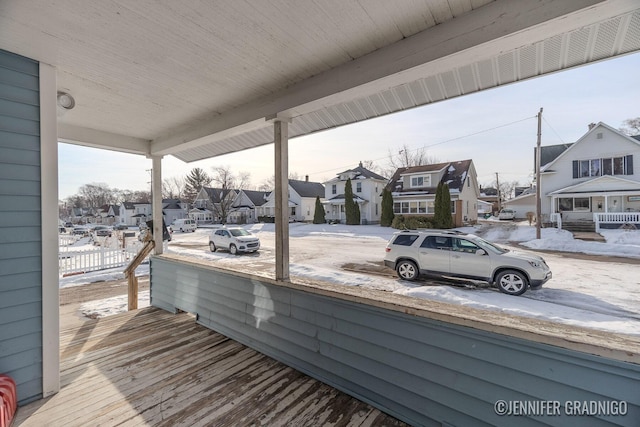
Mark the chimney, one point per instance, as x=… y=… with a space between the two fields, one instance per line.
x=591 y=125
x=360 y=164
x=306 y=178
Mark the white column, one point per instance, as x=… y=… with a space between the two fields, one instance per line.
x=281 y=142
x=156 y=201
x=49 y=221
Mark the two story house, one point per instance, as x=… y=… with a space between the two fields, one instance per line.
x=594 y=175
x=414 y=190
x=213 y=205
x=245 y=206
x=302 y=200
x=367 y=193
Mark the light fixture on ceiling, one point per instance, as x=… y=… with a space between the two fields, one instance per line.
x=66 y=101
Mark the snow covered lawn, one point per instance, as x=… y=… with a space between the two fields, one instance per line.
x=595 y=293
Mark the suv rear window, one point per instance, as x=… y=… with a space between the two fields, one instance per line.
x=405 y=239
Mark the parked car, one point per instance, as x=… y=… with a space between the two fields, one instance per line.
x=450 y=254
x=184 y=225
x=102 y=231
x=81 y=231
x=121 y=227
x=507 y=214
x=61 y=229
x=234 y=239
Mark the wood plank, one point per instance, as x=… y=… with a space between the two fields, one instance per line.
x=150 y=367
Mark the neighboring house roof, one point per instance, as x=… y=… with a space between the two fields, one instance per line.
x=546 y=167
x=549 y=153
x=454 y=176
x=258 y=198
x=307 y=188
x=217 y=194
x=361 y=172
x=488 y=191
x=171 y=205
x=636 y=137
x=340 y=198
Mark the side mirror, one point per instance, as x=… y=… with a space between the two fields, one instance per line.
x=481 y=252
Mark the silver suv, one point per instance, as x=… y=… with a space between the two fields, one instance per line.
x=451 y=254
x=234 y=239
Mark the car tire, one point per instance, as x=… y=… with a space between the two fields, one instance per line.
x=512 y=282
x=233 y=249
x=407 y=270
x=212 y=247
x=181 y=230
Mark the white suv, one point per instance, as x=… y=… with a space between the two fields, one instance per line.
x=234 y=239
x=452 y=254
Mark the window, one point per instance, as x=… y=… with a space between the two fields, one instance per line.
x=437 y=242
x=463 y=245
x=405 y=239
x=565 y=204
x=334 y=189
x=606 y=166
x=358 y=187
x=581 y=204
x=421 y=181
x=376 y=209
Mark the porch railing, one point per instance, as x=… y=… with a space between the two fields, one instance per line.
x=557 y=219
x=72 y=262
x=615 y=218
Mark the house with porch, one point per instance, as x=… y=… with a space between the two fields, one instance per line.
x=301 y=204
x=367 y=193
x=134 y=213
x=173 y=209
x=213 y=205
x=414 y=190
x=71 y=72
x=593 y=182
x=245 y=206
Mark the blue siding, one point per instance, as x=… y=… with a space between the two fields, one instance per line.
x=420 y=370
x=20 y=226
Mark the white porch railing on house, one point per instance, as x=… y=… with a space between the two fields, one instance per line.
x=66 y=239
x=100 y=258
x=557 y=219
x=620 y=218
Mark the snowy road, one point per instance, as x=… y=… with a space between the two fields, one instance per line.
x=595 y=294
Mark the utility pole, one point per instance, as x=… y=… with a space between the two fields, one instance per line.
x=499 y=195
x=538 y=190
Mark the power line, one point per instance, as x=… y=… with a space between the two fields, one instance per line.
x=438 y=143
x=554 y=131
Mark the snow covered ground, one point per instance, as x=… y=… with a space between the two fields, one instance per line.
x=589 y=291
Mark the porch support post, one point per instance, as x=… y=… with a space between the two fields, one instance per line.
x=156 y=201
x=606 y=203
x=281 y=142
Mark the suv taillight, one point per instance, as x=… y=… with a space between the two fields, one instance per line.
x=387 y=249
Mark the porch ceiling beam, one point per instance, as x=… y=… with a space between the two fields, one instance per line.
x=482 y=33
x=100 y=139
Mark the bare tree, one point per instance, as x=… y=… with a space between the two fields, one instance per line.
x=97 y=194
x=269 y=184
x=405 y=157
x=226 y=183
x=374 y=167
x=173 y=188
x=631 y=127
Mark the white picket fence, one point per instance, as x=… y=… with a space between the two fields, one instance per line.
x=100 y=258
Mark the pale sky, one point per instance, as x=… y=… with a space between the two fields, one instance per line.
x=496 y=128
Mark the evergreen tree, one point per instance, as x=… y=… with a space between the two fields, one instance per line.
x=357 y=213
x=318 y=215
x=194 y=181
x=442 y=215
x=349 y=205
x=386 y=216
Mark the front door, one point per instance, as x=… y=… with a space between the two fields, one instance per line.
x=434 y=254
x=615 y=204
x=467 y=262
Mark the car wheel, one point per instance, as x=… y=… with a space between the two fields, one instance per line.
x=407 y=270
x=181 y=230
x=212 y=246
x=233 y=249
x=512 y=282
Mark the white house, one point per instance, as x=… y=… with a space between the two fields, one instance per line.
x=302 y=200
x=522 y=204
x=244 y=206
x=414 y=190
x=594 y=179
x=134 y=213
x=173 y=209
x=211 y=204
x=367 y=189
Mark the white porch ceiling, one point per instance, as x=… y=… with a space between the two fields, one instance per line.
x=200 y=79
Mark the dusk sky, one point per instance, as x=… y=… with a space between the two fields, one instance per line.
x=496 y=128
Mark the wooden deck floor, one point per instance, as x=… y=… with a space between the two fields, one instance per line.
x=153 y=368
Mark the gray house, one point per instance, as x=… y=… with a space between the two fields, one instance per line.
x=112 y=76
